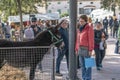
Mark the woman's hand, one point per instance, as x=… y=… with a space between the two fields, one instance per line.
x=103 y=39
x=76 y=52
x=90 y=53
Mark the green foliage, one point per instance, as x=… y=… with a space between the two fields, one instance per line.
x=110 y=3
x=10 y=7
x=64 y=14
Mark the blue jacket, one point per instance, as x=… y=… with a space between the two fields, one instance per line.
x=64 y=36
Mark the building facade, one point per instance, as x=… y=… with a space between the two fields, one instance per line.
x=62 y=6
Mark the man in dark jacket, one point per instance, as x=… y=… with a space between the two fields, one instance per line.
x=115 y=28
x=34 y=26
x=111 y=25
x=105 y=24
x=36 y=30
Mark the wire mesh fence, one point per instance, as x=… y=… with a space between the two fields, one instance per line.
x=19 y=59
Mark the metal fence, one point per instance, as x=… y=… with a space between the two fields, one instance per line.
x=12 y=73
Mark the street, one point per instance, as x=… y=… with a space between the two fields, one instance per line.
x=111 y=67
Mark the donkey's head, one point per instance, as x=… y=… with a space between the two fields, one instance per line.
x=55 y=36
x=49 y=36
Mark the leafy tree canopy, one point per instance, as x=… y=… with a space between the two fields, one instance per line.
x=10 y=7
x=110 y=4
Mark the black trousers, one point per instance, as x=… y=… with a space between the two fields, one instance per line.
x=99 y=56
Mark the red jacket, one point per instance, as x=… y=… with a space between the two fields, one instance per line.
x=85 y=38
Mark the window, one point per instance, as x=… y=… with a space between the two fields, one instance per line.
x=91 y=2
x=80 y=3
x=68 y=10
x=49 y=11
x=59 y=2
x=52 y=7
x=87 y=11
x=81 y=11
x=59 y=10
x=65 y=6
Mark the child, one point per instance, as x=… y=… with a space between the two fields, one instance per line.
x=102 y=44
x=102 y=47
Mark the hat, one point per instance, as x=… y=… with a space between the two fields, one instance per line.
x=34 y=19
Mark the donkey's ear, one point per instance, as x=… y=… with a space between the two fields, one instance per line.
x=59 y=24
x=57 y=27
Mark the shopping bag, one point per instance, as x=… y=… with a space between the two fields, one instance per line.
x=89 y=62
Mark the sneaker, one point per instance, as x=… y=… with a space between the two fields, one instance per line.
x=41 y=71
x=58 y=74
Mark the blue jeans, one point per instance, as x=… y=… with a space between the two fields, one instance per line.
x=86 y=72
x=61 y=54
x=117 y=47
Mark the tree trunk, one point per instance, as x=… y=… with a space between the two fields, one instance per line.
x=46 y=5
x=21 y=21
x=114 y=14
x=72 y=37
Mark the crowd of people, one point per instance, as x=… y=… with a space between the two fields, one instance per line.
x=30 y=29
x=90 y=37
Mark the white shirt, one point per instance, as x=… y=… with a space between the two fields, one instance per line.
x=119 y=17
x=28 y=33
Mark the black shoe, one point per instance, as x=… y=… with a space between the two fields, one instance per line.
x=58 y=74
x=98 y=68
x=41 y=71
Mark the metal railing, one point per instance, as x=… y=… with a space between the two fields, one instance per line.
x=15 y=56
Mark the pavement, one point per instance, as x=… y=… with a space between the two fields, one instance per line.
x=111 y=65
x=110 y=70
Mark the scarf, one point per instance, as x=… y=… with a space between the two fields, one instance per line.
x=82 y=27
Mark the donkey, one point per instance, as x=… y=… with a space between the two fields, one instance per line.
x=24 y=58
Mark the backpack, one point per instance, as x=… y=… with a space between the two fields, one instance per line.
x=116 y=25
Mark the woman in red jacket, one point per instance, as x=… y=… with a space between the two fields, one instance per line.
x=84 y=45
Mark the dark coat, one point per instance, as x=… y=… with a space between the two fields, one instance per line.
x=64 y=36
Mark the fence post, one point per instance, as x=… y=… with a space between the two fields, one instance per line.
x=53 y=67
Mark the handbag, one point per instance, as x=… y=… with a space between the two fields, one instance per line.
x=89 y=62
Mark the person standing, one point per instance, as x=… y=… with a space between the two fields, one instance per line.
x=40 y=25
x=7 y=32
x=63 y=49
x=105 y=24
x=100 y=45
x=34 y=29
x=115 y=28
x=85 y=45
x=111 y=25
x=117 y=43
x=34 y=26
x=96 y=21
x=28 y=34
